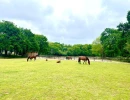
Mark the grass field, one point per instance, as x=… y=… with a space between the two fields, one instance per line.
x=68 y=80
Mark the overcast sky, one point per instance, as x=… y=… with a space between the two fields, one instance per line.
x=65 y=21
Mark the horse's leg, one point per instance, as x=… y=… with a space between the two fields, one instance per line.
x=83 y=61
x=79 y=61
x=34 y=58
x=27 y=58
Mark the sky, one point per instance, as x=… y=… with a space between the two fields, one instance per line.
x=66 y=21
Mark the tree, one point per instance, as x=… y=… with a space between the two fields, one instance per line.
x=55 y=48
x=42 y=44
x=124 y=29
x=86 y=50
x=77 y=49
x=19 y=40
x=97 y=49
x=127 y=47
x=128 y=17
x=3 y=42
x=110 y=41
x=29 y=42
x=11 y=36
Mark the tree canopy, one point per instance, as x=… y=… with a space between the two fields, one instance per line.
x=20 y=41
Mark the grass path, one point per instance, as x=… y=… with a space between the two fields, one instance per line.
x=68 y=80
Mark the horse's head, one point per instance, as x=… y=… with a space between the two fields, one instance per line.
x=88 y=60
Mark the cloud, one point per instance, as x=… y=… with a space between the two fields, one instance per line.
x=66 y=21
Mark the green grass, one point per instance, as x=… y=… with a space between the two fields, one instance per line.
x=68 y=80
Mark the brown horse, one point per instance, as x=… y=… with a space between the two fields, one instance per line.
x=32 y=55
x=84 y=58
x=68 y=58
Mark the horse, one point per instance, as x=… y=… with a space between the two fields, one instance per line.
x=68 y=58
x=32 y=55
x=84 y=58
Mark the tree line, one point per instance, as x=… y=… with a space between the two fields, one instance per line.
x=111 y=43
x=18 y=41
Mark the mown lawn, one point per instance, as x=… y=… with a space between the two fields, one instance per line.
x=68 y=80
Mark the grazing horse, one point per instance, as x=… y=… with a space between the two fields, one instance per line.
x=84 y=58
x=68 y=58
x=32 y=55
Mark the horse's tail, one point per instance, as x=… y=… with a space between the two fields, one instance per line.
x=88 y=60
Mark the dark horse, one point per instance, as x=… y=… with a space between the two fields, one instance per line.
x=84 y=58
x=32 y=55
x=68 y=58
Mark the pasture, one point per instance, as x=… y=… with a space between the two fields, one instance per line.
x=68 y=80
